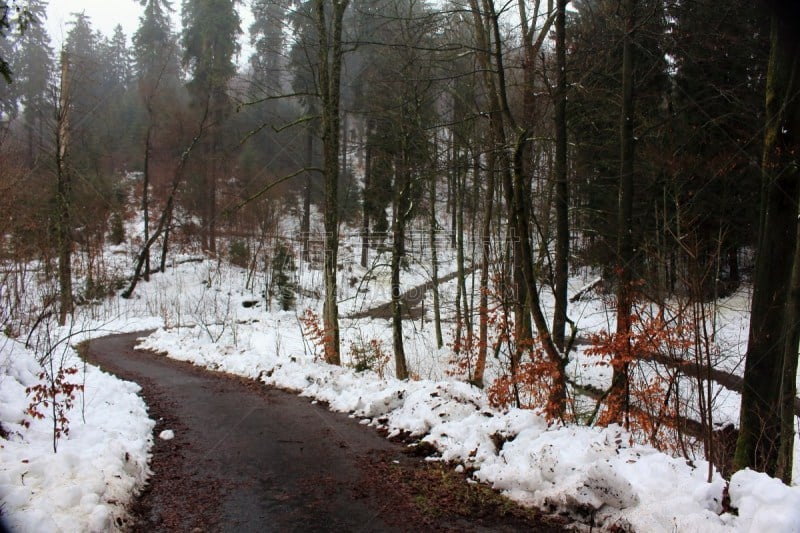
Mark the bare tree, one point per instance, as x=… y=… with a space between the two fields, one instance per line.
x=329 y=35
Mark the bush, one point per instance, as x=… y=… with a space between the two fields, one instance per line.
x=117 y=230
x=239 y=253
x=368 y=356
x=283 y=268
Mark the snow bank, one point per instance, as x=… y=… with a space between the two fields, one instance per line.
x=764 y=503
x=99 y=466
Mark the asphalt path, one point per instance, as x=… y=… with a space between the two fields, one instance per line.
x=246 y=457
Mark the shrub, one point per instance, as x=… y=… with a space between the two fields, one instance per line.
x=117 y=231
x=239 y=253
x=283 y=268
x=368 y=356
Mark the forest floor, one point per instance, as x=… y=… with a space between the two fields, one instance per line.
x=246 y=457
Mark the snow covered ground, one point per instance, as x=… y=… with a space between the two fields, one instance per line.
x=99 y=465
x=207 y=313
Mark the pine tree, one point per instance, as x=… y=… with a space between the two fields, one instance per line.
x=268 y=42
x=210 y=32
x=156 y=68
x=15 y=17
x=720 y=55
x=34 y=73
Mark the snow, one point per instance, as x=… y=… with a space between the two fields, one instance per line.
x=167 y=434
x=100 y=465
x=596 y=475
x=765 y=504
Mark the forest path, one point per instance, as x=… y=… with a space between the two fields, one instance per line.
x=246 y=457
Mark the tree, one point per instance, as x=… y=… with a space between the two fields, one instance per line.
x=283 y=268
x=14 y=17
x=769 y=387
x=99 y=147
x=34 y=71
x=618 y=393
x=210 y=31
x=561 y=266
x=119 y=58
x=64 y=193
x=268 y=41
x=397 y=96
x=156 y=68
x=595 y=41
x=328 y=24
x=510 y=142
x=719 y=59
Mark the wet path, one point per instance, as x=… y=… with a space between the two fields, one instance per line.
x=250 y=458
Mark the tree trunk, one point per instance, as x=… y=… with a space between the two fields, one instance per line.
x=788 y=384
x=561 y=267
x=305 y=224
x=460 y=260
x=162 y=265
x=64 y=192
x=146 y=196
x=330 y=68
x=365 y=211
x=618 y=393
x=399 y=208
x=772 y=345
x=486 y=250
x=211 y=186
x=434 y=225
x=452 y=191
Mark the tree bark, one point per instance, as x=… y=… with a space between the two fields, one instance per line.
x=772 y=345
x=146 y=194
x=561 y=267
x=365 y=212
x=64 y=195
x=486 y=250
x=618 y=393
x=330 y=68
x=305 y=224
x=434 y=225
x=399 y=209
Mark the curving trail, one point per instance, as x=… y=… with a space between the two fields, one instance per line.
x=250 y=458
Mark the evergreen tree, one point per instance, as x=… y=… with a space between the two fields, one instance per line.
x=210 y=32
x=9 y=91
x=595 y=53
x=157 y=71
x=15 y=17
x=119 y=58
x=154 y=47
x=34 y=73
x=720 y=53
x=268 y=42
